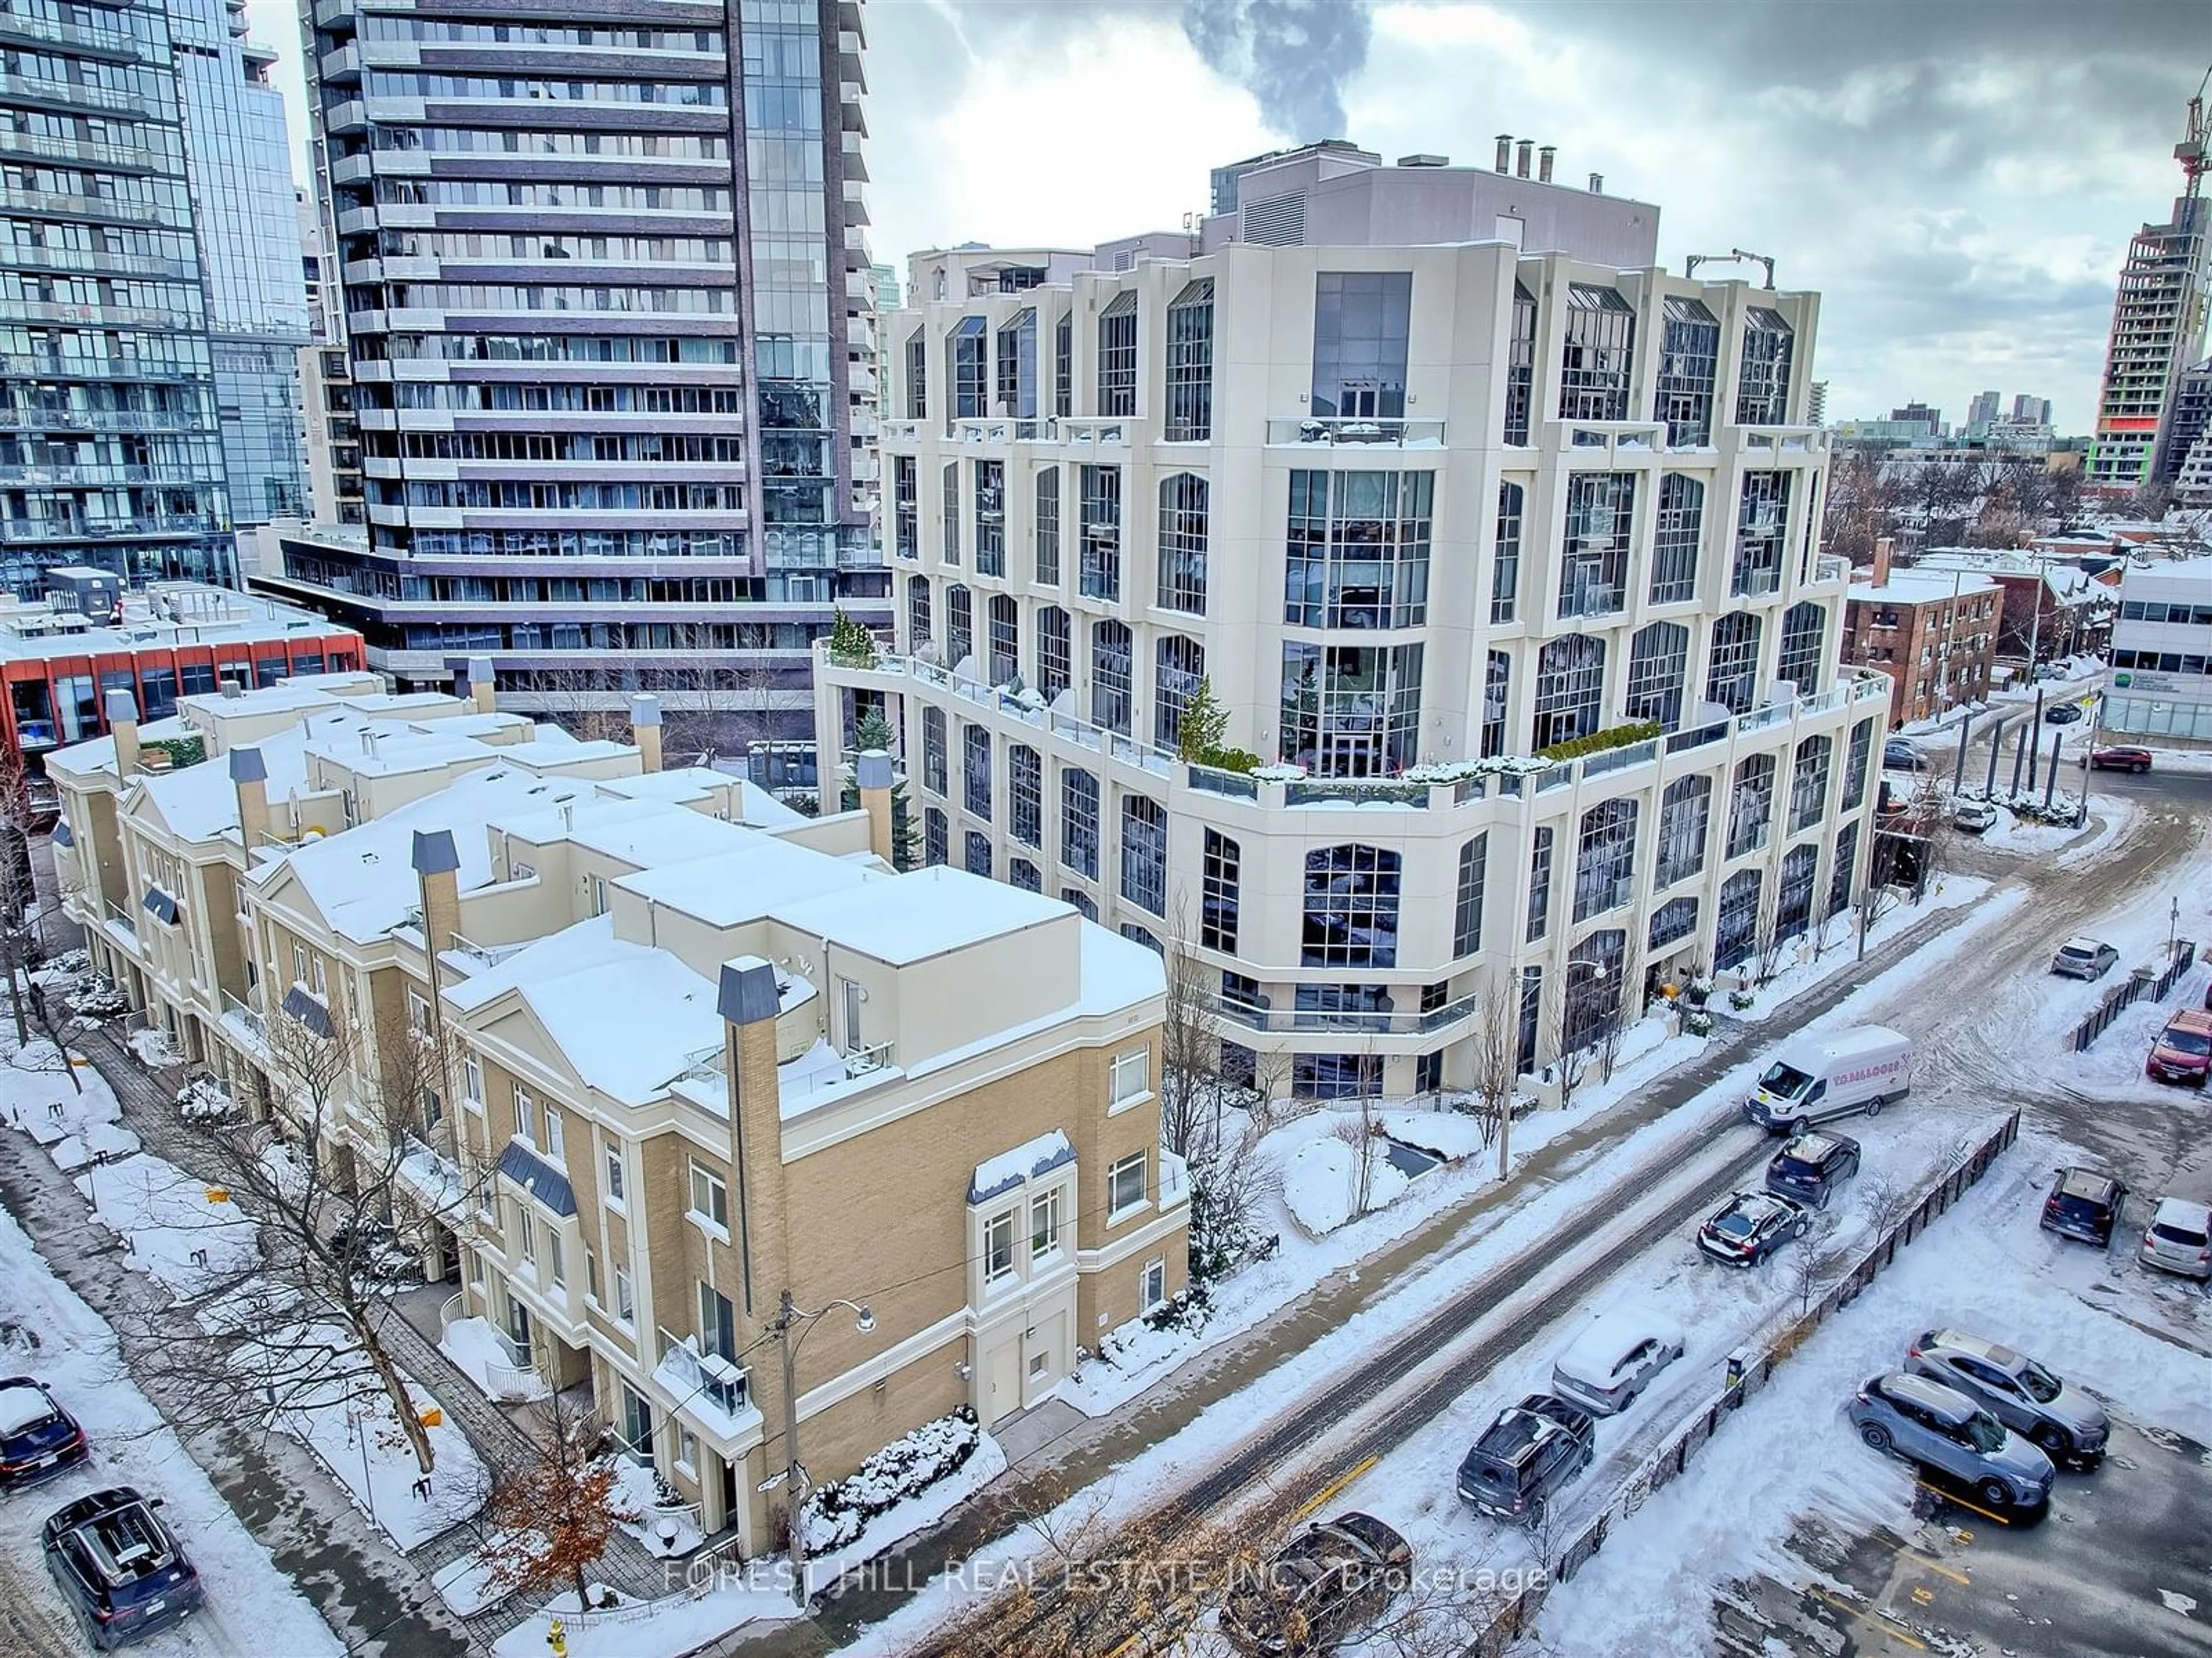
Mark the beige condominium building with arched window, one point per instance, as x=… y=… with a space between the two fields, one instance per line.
x=1414 y=515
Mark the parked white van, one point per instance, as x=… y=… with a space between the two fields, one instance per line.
x=1813 y=1079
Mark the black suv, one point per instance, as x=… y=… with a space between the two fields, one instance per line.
x=2085 y=1204
x=1810 y=1167
x=119 y=1568
x=38 y=1438
x=1531 y=1450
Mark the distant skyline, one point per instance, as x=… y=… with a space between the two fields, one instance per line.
x=1959 y=180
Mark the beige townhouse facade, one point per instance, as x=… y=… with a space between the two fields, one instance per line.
x=692 y=1052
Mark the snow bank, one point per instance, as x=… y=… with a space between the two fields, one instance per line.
x=985 y=1464
x=1320 y=1183
x=1450 y=1135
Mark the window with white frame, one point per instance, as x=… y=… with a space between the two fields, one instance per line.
x=418 y=1014
x=299 y=964
x=1125 y=1185
x=1133 y=1075
x=1154 y=1289
x=472 y=1088
x=591 y=1273
x=618 y=1180
x=999 y=1247
x=556 y=1267
x=1045 y=1221
x=625 y=1296
x=555 y=1141
x=525 y=1233
x=710 y=1197
x=526 y=1115
x=315 y=979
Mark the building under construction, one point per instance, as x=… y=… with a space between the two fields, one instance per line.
x=2158 y=330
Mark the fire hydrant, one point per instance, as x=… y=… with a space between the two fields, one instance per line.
x=556 y=1638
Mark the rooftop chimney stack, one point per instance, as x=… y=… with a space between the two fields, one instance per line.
x=437 y=862
x=481 y=683
x=748 y=1002
x=1883 y=546
x=644 y=730
x=122 y=709
x=872 y=774
x=1544 y=163
x=1597 y=184
x=1504 y=152
x=249 y=775
x=1522 y=151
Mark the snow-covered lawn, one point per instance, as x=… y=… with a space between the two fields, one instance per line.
x=360 y=1442
x=36 y=1096
x=252 y=1607
x=181 y=1232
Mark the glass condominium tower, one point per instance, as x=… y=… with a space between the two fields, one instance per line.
x=605 y=298
x=126 y=130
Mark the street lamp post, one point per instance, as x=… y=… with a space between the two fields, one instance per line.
x=789 y=1328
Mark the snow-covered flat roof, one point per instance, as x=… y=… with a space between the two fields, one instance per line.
x=1922 y=586
x=755 y=877
x=1008 y=1170
x=923 y=913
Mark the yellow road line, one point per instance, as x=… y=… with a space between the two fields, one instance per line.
x=1335 y=1485
x=1951 y=1496
x=1918 y=1559
x=1883 y=1625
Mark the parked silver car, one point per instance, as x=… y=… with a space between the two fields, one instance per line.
x=1941 y=1429
x=2084 y=958
x=2179 y=1239
x=1615 y=1358
x=2060 y=1418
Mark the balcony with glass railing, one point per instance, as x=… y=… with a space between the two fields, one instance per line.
x=1355 y=431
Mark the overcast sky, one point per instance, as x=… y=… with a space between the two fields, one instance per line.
x=1957 y=177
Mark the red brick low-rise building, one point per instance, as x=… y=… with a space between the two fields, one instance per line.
x=170 y=639
x=1932 y=632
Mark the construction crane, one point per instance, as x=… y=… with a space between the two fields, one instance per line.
x=2189 y=152
x=1690 y=265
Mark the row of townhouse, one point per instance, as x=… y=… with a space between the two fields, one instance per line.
x=1414 y=514
x=693 y=1054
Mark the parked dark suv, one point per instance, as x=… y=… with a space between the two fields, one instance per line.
x=1531 y=1450
x=2085 y=1204
x=38 y=1438
x=119 y=1568
x=1810 y=1167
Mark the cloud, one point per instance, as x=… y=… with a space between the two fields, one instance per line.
x=1294 y=55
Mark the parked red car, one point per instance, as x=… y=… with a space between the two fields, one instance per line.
x=2119 y=757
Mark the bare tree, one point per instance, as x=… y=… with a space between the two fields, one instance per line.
x=1886 y=1201
x=333 y=1178
x=1573 y=1054
x=1360 y=1134
x=1189 y=1051
x=1494 y=1064
x=1807 y=1268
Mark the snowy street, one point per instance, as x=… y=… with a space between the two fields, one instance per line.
x=1400 y=1399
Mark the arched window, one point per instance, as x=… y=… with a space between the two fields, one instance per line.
x=1732 y=664
x=1183 y=527
x=1683 y=811
x=1111 y=676
x=1658 y=666
x=1180 y=665
x=1737 y=932
x=1605 y=858
x=1351 y=908
x=1569 y=688
x=1804 y=632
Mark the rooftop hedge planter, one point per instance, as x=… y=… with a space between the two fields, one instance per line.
x=1617 y=737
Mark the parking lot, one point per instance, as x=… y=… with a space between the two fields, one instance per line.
x=2118 y=1566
